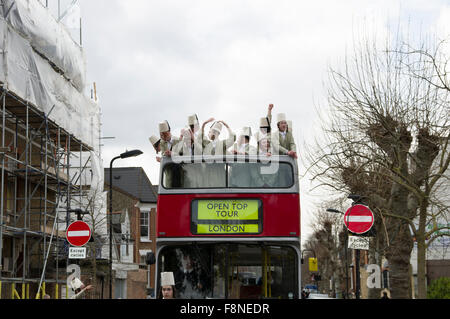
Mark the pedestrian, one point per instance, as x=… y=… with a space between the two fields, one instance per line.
x=79 y=288
x=305 y=294
x=385 y=295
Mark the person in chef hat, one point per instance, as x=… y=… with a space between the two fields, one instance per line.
x=78 y=287
x=243 y=147
x=212 y=145
x=194 y=124
x=168 y=141
x=167 y=290
x=283 y=140
x=156 y=142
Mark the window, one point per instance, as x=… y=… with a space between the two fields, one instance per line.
x=258 y=175
x=120 y=288
x=144 y=223
x=197 y=175
x=223 y=175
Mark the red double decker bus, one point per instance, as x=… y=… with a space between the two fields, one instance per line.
x=228 y=227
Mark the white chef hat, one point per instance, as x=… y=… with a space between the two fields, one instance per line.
x=281 y=117
x=167 y=279
x=217 y=126
x=193 y=119
x=153 y=139
x=164 y=127
x=246 y=131
x=75 y=283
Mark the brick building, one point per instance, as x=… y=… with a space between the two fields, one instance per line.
x=134 y=226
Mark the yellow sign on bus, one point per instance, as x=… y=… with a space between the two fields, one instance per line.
x=228 y=210
x=227 y=229
x=226 y=216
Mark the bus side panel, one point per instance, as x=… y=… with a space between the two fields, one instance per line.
x=281 y=214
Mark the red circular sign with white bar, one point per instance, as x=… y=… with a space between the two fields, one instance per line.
x=78 y=233
x=359 y=219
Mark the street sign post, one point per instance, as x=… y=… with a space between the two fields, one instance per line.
x=78 y=233
x=359 y=219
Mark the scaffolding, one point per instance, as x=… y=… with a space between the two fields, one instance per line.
x=49 y=152
x=40 y=180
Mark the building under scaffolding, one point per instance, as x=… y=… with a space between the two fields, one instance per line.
x=49 y=151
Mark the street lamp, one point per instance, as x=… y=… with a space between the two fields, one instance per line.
x=133 y=153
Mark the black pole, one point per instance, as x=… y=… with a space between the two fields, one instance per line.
x=346 y=266
x=132 y=153
x=356 y=200
x=110 y=226
x=358 y=277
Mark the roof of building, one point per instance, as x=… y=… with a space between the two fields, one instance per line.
x=134 y=181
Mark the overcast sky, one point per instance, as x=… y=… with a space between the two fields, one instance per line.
x=166 y=59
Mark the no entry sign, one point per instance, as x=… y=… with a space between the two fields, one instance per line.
x=78 y=233
x=359 y=219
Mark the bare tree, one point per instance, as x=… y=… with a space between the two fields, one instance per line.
x=390 y=126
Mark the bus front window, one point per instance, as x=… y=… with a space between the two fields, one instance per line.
x=194 y=175
x=231 y=271
x=259 y=175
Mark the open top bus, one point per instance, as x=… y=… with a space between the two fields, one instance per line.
x=228 y=227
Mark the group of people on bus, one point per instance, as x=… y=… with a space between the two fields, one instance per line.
x=193 y=141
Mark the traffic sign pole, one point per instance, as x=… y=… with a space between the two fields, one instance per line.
x=359 y=219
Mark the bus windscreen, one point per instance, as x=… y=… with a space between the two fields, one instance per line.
x=227 y=175
x=232 y=271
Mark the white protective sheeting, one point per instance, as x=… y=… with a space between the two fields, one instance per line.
x=33 y=79
x=51 y=39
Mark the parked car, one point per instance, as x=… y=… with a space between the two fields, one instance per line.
x=318 y=296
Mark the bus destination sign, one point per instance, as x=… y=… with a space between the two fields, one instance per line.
x=226 y=217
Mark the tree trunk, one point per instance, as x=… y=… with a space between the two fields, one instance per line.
x=421 y=252
x=421 y=268
x=400 y=244
x=398 y=255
